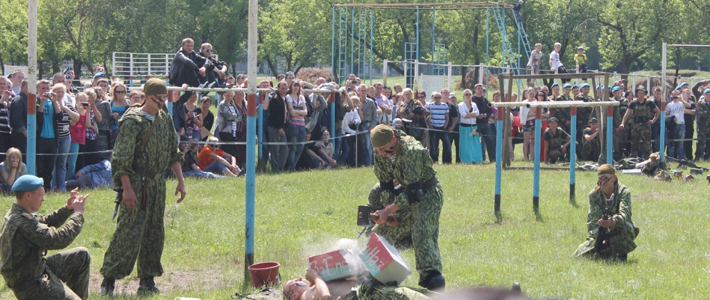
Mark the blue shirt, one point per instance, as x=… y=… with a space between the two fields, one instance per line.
x=48 y=126
x=117 y=109
x=438 y=113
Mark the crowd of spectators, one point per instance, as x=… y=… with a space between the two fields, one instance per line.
x=76 y=129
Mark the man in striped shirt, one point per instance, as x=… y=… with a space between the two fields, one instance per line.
x=438 y=122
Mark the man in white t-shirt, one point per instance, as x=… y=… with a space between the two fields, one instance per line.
x=556 y=64
x=676 y=111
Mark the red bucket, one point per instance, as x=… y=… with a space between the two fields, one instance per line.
x=265 y=274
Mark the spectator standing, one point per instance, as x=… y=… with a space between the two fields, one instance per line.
x=69 y=82
x=92 y=130
x=11 y=168
x=241 y=150
x=383 y=103
x=207 y=117
x=296 y=130
x=438 y=122
x=276 y=126
x=350 y=124
x=488 y=141
x=77 y=131
x=228 y=119
x=556 y=64
x=583 y=113
x=468 y=135
x=47 y=125
x=516 y=10
x=534 y=63
x=18 y=119
x=656 y=127
x=192 y=118
x=453 y=127
x=67 y=117
x=675 y=111
x=119 y=104
x=17 y=77
x=689 y=116
x=368 y=114
x=5 y=129
x=103 y=140
x=702 y=111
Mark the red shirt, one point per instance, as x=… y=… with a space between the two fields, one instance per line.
x=204 y=159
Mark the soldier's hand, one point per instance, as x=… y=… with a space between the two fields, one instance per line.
x=129 y=198
x=72 y=196
x=383 y=217
x=312 y=275
x=78 y=203
x=606 y=223
x=180 y=189
x=393 y=223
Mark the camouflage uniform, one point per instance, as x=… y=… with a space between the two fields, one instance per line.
x=618 y=116
x=562 y=114
x=373 y=290
x=702 y=113
x=555 y=143
x=583 y=116
x=590 y=149
x=25 y=239
x=624 y=134
x=621 y=243
x=418 y=218
x=140 y=233
x=641 y=130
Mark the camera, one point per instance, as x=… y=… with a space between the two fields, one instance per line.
x=67 y=77
x=85 y=104
x=353 y=81
x=48 y=95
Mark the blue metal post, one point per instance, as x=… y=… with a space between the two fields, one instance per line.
x=249 y=221
x=609 y=135
x=488 y=27
x=499 y=161
x=663 y=130
x=503 y=39
x=32 y=133
x=536 y=175
x=332 y=118
x=572 y=151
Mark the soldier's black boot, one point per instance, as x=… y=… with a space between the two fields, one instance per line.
x=623 y=256
x=516 y=287
x=147 y=287
x=434 y=282
x=107 y=287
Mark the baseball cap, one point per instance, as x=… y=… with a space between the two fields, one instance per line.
x=580 y=48
x=452 y=95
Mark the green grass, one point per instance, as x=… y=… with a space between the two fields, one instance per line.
x=301 y=214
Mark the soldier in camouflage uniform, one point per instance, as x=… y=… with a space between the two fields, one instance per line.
x=619 y=224
x=563 y=115
x=557 y=141
x=583 y=113
x=626 y=131
x=591 y=148
x=401 y=159
x=146 y=147
x=702 y=113
x=25 y=239
x=644 y=113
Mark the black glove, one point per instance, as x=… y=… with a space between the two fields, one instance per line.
x=414 y=192
x=386 y=185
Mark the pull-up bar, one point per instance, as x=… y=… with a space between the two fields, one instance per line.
x=538 y=106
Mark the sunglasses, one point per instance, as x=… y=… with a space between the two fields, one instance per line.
x=467 y=94
x=209 y=50
x=437 y=97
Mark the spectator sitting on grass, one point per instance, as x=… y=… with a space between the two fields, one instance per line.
x=190 y=166
x=92 y=177
x=215 y=160
x=325 y=149
x=11 y=169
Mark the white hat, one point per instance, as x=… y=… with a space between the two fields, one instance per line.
x=520 y=1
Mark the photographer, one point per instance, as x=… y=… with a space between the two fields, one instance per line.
x=47 y=125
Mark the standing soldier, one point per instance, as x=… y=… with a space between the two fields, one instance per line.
x=583 y=113
x=591 y=147
x=145 y=147
x=401 y=160
x=563 y=115
x=702 y=112
x=644 y=113
x=25 y=238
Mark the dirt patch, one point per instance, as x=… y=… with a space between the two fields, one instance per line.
x=207 y=279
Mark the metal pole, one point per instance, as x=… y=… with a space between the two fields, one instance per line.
x=663 y=101
x=536 y=175
x=371 y=42
x=352 y=42
x=415 y=82
x=332 y=120
x=572 y=152
x=384 y=72
x=451 y=80
x=488 y=27
x=251 y=135
x=433 y=32
x=260 y=124
x=609 y=135
x=32 y=85
x=633 y=84
x=332 y=59
x=499 y=155
x=417 y=57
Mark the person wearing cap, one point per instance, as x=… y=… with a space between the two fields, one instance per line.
x=26 y=236
x=580 y=60
x=145 y=147
x=702 y=113
x=591 y=145
x=644 y=114
x=675 y=111
x=556 y=142
x=583 y=113
x=618 y=114
x=621 y=229
x=401 y=160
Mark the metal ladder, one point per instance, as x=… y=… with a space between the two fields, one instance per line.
x=499 y=16
x=342 y=46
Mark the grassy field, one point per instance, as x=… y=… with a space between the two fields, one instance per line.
x=302 y=214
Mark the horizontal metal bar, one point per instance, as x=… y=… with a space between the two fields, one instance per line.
x=553 y=104
x=400 y=5
x=222 y=90
x=556 y=76
x=688 y=45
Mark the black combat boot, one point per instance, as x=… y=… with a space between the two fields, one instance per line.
x=434 y=282
x=107 y=287
x=623 y=257
x=147 y=287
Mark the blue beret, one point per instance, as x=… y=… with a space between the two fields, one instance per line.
x=584 y=85
x=681 y=85
x=615 y=88
x=706 y=91
x=555 y=84
x=600 y=86
x=67 y=69
x=27 y=183
x=567 y=86
x=99 y=74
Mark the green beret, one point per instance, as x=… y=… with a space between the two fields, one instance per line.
x=155 y=86
x=27 y=183
x=381 y=135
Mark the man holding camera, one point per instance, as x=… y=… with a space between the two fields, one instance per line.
x=615 y=199
x=410 y=192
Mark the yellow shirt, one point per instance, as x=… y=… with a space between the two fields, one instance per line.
x=581 y=59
